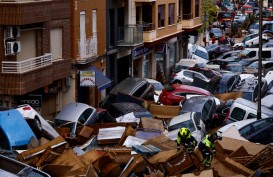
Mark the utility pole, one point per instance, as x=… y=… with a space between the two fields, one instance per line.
x=259 y=113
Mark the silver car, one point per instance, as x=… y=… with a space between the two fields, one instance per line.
x=75 y=114
x=190 y=120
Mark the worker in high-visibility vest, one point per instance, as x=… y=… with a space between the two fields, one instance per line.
x=207 y=147
x=185 y=139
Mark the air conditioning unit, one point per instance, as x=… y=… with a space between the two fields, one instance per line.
x=12 y=32
x=13 y=47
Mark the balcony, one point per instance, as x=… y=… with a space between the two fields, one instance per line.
x=179 y=23
x=149 y=32
x=130 y=35
x=88 y=50
x=189 y=22
x=26 y=65
x=21 y=77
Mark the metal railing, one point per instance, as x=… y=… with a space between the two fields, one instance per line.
x=26 y=65
x=187 y=16
x=130 y=35
x=179 y=19
x=89 y=48
x=148 y=26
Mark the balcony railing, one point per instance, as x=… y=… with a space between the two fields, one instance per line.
x=130 y=35
x=89 y=48
x=26 y=65
x=148 y=26
x=179 y=19
x=187 y=16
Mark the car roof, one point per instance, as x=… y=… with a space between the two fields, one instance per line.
x=267 y=100
x=128 y=85
x=253 y=105
x=180 y=118
x=151 y=80
x=197 y=101
x=72 y=111
x=188 y=88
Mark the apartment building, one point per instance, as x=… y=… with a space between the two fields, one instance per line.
x=145 y=38
x=88 y=49
x=35 y=57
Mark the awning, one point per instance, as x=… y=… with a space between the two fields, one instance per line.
x=102 y=82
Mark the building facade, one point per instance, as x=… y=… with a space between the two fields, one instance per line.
x=35 y=56
x=88 y=46
x=145 y=38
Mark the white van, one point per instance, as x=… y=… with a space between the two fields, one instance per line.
x=267 y=53
x=242 y=109
x=198 y=53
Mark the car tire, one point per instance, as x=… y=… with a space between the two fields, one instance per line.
x=36 y=127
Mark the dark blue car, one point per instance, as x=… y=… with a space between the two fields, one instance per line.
x=259 y=131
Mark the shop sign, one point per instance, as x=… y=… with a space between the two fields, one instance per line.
x=87 y=78
x=137 y=52
x=32 y=100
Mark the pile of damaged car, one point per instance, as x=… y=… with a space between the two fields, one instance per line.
x=132 y=134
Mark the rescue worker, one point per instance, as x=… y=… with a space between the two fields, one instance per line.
x=185 y=138
x=207 y=147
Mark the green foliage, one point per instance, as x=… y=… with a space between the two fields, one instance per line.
x=209 y=12
x=251 y=18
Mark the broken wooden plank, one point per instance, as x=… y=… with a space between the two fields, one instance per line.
x=136 y=165
x=264 y=155
x=32 y=156
x=238 y=167
x=230 y=145
x=107 y=166
x=205 y=173
x=163 y=111
x=162 y=142
x=223 y=170
x=148 y=123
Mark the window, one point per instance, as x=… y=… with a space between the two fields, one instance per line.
x=196 y=8
x=85 y=115
x=112 y=27
x=171 y=14
x=188 y=74
x=161 y=16
x=251 y=116
x=141 y=90
x=238 y=114
x=199 y=76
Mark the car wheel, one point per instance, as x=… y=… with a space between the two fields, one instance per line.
x=177 y=82
x=37 y=127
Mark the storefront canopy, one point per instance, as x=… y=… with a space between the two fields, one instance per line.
x=101 y=81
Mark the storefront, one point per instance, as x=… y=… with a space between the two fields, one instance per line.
x=142 y=62
x=160 y=55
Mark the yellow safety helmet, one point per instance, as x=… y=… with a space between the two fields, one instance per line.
x=184 y=132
